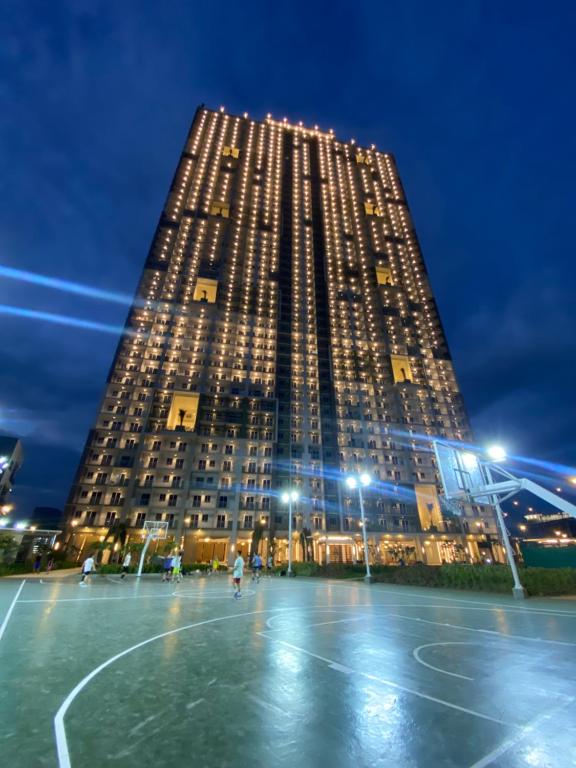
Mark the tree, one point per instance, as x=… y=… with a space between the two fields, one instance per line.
x=8 y=545
x=256 y=538
x=182 y=416
x=116 y=534
x=306 y=542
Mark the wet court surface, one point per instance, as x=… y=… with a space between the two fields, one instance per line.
x=303 y=673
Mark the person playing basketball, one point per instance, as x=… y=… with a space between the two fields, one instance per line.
x=237 y=576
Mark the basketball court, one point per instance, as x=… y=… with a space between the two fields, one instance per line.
x=299 y=672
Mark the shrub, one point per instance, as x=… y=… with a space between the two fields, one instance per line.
x=486 y=578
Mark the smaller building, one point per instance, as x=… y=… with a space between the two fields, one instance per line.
x=11 y=458
x=47 y=518
x=22 y=542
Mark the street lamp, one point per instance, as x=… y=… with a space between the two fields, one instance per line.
x=496 y=453
x=353 y=481
x=287 y=498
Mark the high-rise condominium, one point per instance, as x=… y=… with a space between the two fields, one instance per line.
x=284 y=333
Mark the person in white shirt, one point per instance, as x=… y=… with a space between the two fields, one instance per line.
x=176 y=568
x=88 y=566
x=237 y=574
x=126 y=564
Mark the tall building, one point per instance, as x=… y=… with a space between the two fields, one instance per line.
x=284 y=333
x=11 y=458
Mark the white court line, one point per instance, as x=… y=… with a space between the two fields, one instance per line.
x=481 y=631
x=91 y=599
x=11 y=608
x=377 y=606
x=389 y=683
x=59 y=728
x=420 y=594
x=416 y=654
x=524 y=731
x=320 y=624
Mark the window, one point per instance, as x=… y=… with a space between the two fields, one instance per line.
x=172 y=499
x=221 y=521
x=223 y=502
x=207 y=499
x=156 y=445
x=162 y=497
x=202 y=464
x=116 y=499
x=110 y=518
x=196 y=501
x=96 y=497
x=140 y=520
x=218 y=209
x=247 y=521
x=228 y=450
x=144 y=499
x=194 y=519
x=204 y=518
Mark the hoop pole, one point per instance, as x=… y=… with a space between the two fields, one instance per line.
x=518 y=590
x=149 y=538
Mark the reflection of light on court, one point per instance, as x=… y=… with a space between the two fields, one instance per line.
x=288 y=659
x=379 y=704
x=74 y=322
x=536 y=756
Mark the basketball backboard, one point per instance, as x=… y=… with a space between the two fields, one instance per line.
x=460 y=473
x=156 y=529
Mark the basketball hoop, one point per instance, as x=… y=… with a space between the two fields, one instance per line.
x=154 y=531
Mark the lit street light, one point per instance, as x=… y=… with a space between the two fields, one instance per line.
x=352 y=481
x=496 y=453
x=287 y=498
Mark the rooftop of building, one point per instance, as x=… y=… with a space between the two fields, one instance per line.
x=314 y=130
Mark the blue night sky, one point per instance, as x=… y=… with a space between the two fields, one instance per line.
x=475 y=99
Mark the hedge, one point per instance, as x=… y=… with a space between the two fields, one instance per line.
x=14 y=569
x=154 y=568
x=485 y=578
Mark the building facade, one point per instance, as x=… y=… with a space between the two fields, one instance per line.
x=284 y=334
x=11 y=458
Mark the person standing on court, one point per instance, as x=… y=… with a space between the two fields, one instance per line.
x=237 y=574
x=126 y=564
x=167 y=575
x=88 y=566
x=176 y=565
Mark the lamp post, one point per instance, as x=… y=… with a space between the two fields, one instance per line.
x=353 y=481
x=288 y=497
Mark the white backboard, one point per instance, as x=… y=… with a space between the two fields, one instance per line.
x=460 y=472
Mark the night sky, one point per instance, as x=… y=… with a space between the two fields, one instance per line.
x=475 y=99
